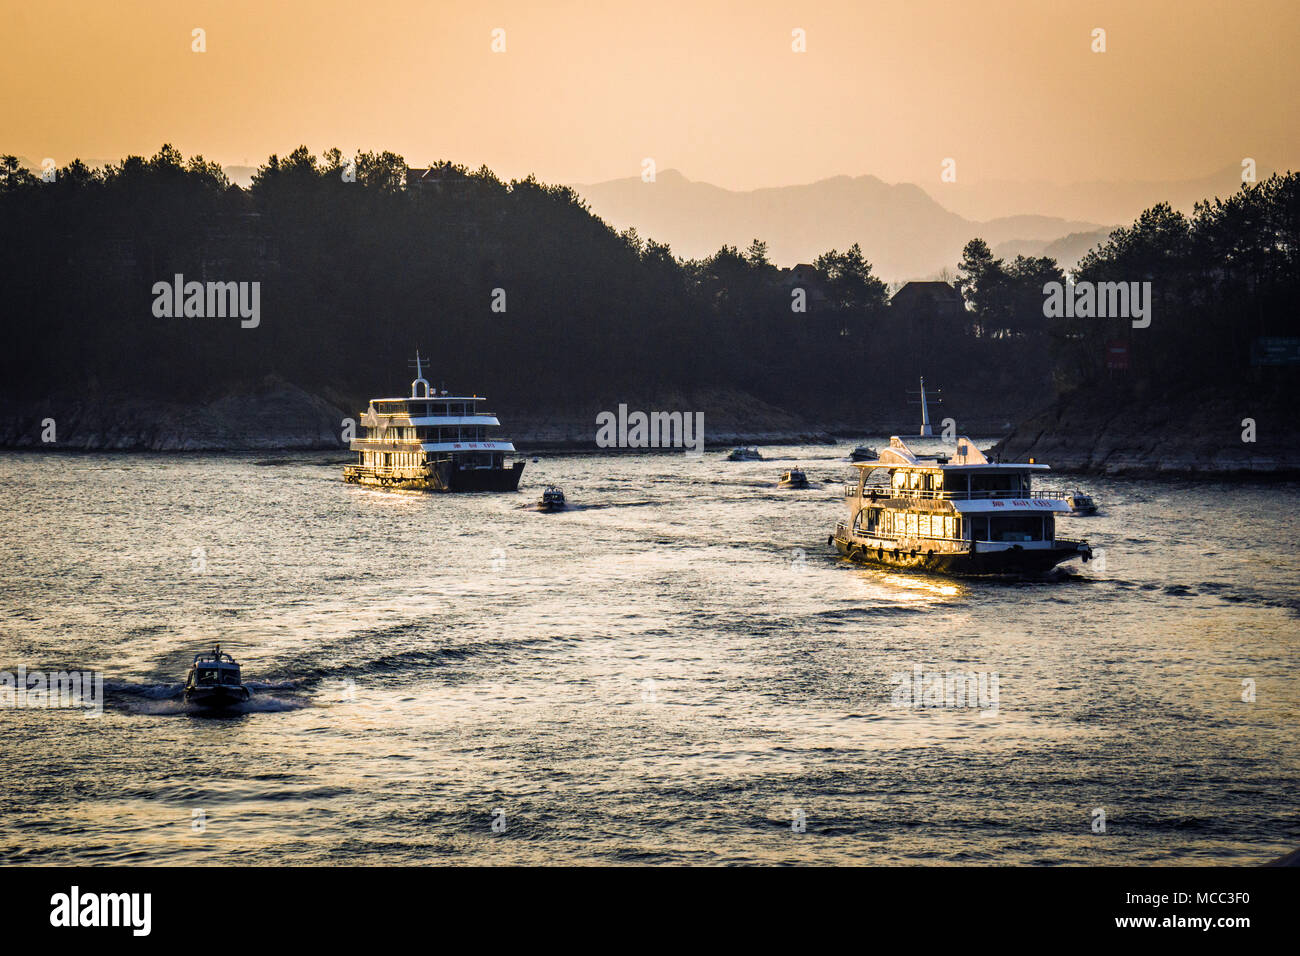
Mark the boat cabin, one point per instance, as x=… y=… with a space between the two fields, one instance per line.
x=214 y=669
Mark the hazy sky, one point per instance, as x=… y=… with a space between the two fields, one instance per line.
x=584 y=91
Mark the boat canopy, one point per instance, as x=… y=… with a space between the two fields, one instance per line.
x=898 y=455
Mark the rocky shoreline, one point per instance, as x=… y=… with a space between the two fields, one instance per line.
x=1083 y=433
x=279 y=416
x=272 y=417
x=1197 y=435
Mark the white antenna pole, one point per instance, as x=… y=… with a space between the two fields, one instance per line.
x=926 y=431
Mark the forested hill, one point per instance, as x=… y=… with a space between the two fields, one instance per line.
x=517 y=291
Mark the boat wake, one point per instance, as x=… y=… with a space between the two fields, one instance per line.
x=167 y=700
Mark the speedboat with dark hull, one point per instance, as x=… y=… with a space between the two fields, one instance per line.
x=794 y=478
x=862 y=453
x=552 y=499
x=961 y=515
x=744 y=454
x=215 y=681
x=1081 y=504
x=432 y=441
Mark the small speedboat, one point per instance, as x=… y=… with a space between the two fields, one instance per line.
x=863 y=453
x=214 y=681
x=794 y=478
x=552 y=499
x=1081 y=504
x=744 y=454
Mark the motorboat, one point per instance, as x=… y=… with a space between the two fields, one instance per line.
x=552 y=499
x=215 y=680
x=1081 y=504
x=862 y=453
x=794 y=478
x=744 y=454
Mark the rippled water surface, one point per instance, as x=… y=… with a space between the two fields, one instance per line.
x=671 y=671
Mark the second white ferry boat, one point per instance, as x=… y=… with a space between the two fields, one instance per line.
x=432 y=441
x=958 y=515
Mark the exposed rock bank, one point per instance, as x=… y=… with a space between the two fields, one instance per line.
x=1200 y=435
x=279 y=416
x=273 y=416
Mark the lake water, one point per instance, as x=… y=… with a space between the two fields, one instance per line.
x=678 y=669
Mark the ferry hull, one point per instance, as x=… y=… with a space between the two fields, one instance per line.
x=1013 y=561
x=443 y=477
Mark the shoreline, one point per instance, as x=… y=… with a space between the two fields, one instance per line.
x=1269 y=473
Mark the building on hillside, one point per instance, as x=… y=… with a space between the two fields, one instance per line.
x=810 y=279
x=928 y=306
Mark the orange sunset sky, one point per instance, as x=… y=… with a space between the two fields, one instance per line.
x=1009 y=88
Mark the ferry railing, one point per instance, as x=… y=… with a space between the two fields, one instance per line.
x=399 y=440
x=888 y=491
x=389 y=471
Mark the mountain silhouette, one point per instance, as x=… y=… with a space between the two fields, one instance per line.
x=903 y=231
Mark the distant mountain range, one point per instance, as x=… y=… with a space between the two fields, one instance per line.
x=902 y=230
x=1120 y=202
x=906 y=232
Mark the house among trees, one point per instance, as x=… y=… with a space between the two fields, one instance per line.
x=936 y=300
x=928 y=307
x=810 y=279
x=435 y=177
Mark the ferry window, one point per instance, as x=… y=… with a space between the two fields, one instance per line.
x=899 y=480
x=995 y=483
x=1027 y=528
x=206 y=675
x=911 y=526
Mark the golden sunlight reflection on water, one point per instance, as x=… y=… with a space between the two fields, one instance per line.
x=660 y=674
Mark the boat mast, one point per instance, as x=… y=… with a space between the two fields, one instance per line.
x=419 y=379
x=926 y=431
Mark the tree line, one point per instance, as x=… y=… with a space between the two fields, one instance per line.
x=517 y=290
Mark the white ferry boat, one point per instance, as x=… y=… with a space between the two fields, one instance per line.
x=432 y=441
x=958 y=515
